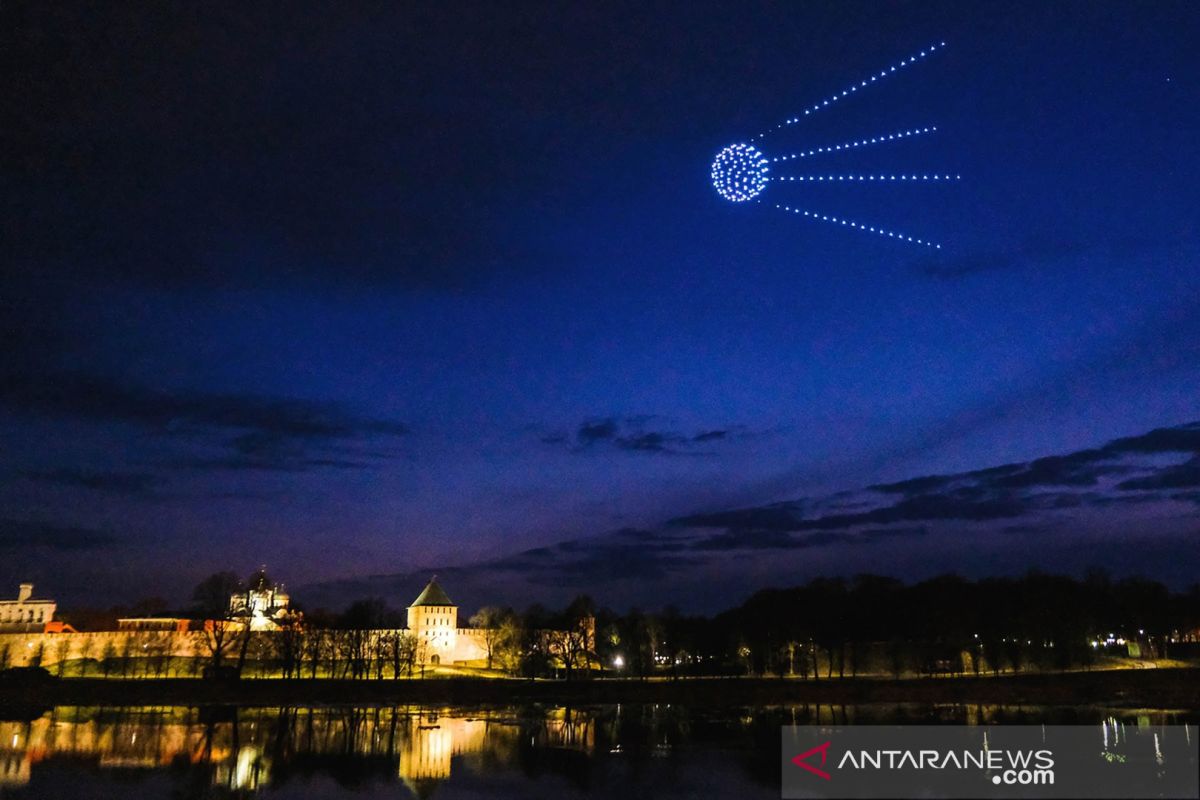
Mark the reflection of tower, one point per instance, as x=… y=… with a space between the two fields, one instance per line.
x=427 y=752
x=433 y=620
x=432 y=743
x=14 y=764
x=20 y=744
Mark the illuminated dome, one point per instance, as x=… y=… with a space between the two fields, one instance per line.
x=739 y=172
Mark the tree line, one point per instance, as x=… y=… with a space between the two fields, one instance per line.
x=879 y=625
x=829 y=627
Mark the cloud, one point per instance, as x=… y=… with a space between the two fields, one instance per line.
x=623 y=555
x=1008 y=509
x=1178 y=439
x=619 y=557
x=1007 y=492
x=1080 y=468
x=893 y=533
x=633 y=435
x=768 y=539
x=957 y=505
x=750 y=540
x=781 y=517
x=1032 y=250
x=128 y=483
x=22 y=535
x=105 y=400
x=1183 y=476
x=1036 y=250
x=1076 y=469
x=1025 y=529
x=253 y=431
x=591 y=432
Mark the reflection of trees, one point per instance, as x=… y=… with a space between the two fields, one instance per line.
x=558 y=742
x=237 y=752
x=240 y=751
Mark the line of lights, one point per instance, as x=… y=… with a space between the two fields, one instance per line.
x=865 y=178
x=865 y=228
x=860 y=143
x=855 y=87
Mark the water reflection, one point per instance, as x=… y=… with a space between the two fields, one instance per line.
x=596 y=751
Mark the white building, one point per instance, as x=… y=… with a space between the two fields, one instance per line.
x=264 y=603
x=433 y=620
x=26 y=613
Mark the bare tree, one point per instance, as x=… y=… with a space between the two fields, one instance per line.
x=211 y=597
x=85 y=654
x=491 y=620
x=219 y=635
x=353 y=644
x=158 y=651
x=315 y=648
x=510 y=651
x=288 y=644
x=127 y=649
x=220 y=639
x=400 y=649
x=107 y=657
x=575 y=643
x=379 y=649
x=61 y=649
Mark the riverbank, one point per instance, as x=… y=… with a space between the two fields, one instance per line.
x=1156 y=688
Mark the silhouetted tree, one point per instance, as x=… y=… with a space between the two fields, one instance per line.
x=218 y=634
x=491 y=621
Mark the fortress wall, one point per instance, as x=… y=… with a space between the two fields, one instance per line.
x=51 y=648
x=48 y=649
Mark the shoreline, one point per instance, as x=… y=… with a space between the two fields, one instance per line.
x=1177 y=688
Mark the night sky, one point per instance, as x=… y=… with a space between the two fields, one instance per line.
x=355 y=290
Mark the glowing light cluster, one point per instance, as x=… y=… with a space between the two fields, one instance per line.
x=852 y=89
x=814 y=178
x=865 y=228
x=739 y=172
x=861 y=143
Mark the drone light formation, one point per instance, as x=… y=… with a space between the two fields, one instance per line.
x=864 y=83
x=835 y=178
x=861 y=143
x=860 y=226
x=741 y=171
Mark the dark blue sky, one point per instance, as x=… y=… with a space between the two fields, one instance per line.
x=381 y=291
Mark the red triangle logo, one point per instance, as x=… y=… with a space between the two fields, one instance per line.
x=802 y=760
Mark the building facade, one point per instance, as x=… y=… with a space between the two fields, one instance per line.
x=263 y=604
x=433 y=626
x=26 y=614
x=433 y=622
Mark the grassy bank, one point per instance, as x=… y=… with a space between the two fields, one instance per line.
x=1156 y=688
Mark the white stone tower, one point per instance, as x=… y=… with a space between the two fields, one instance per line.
x=433 y=620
